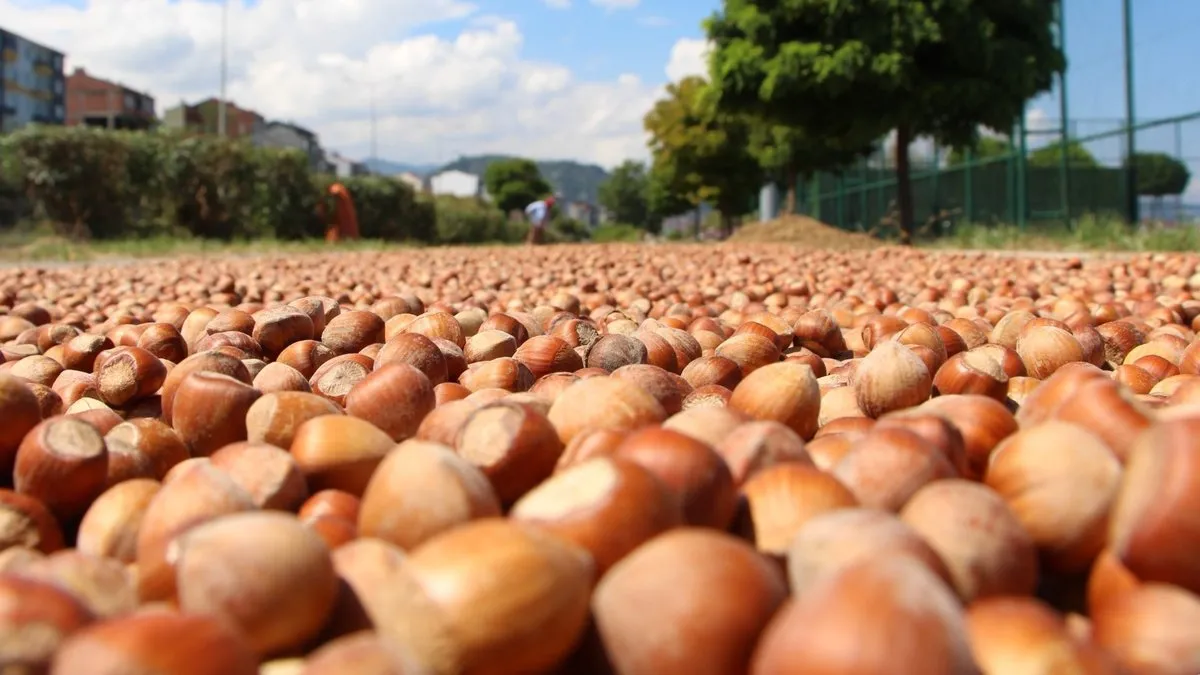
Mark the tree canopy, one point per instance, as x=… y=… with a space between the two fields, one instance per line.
x=625 y=194
x=787 y=153
x=1050 y=156
x=856 y=70
x=1159 y=174
x=515 y=183
x=662 y=199
x=986 y=147
x=700 y=153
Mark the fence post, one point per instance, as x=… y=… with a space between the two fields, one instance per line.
x=1010 y=167
x=840 y=206
x=1179 y=156
x=1131 y=121
x=969 y=186
x=1064 y=168
x=936 y=202
x=1022 y=197
x=862 y=196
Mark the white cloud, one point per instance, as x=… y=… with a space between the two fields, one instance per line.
x=616 y=4
x=689 y=56
x=309 y=61
x=558 y=4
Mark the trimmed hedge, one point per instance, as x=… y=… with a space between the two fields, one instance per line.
x=95 y=183
x=113 y=184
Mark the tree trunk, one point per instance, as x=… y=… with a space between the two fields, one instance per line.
x=904 y=199
x=696 y=223
x=789 y=202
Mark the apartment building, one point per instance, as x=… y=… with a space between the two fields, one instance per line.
x=32 y=87
x=92 y=101
x=204 y=118
x=286 y=135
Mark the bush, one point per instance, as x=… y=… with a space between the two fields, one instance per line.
x=566 y=230
x=12 y=202
x=616 y=232
x=92 y=182
x=95 y=183
x=388 y=209
x=467 y=220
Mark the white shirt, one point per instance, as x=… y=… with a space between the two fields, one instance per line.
x=537 y=211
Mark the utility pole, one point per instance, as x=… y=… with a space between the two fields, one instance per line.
x=1131 y=194
x=222 y=122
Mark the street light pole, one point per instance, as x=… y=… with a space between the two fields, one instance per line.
x=222 y=121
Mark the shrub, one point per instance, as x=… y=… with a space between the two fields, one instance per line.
x=87 y=182
x=564 y=229
x=616 y=232
x=97 y=183
x=466 y=220
x=388 y=209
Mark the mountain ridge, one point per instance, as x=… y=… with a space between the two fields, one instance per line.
x=571 y=180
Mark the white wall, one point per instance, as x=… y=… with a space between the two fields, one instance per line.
x=457 y=183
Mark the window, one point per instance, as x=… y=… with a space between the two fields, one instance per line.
x=58 y=86
x=130 y=102
x=58 y=112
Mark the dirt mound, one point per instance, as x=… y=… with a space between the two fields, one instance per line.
x=803 y=231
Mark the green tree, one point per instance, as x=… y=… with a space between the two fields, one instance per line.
x=787 y=153
x=663 y=199
x=857 y=70
x=1050 y=156
x=1160 y=174
x=514 y=183
x=702 y=154
x=625 y=194
x=985 y=147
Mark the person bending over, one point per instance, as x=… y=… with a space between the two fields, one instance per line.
x=538 y=214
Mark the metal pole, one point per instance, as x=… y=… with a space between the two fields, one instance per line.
x=1179 y=156
x=221 y=111
x=1022 y=174
x=969 y=187
x=1130 y=135
x=1064 y=118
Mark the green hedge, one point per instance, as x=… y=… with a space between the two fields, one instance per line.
x=111 y=184
x=617 y=232
x=95 y=183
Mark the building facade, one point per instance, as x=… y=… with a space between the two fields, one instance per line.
x=204 y=118
x=288 y=135
x=411 y=179
x=344 y=167
x=585 y=212
x=457 y=183
x=92 y=101
x=32 y=86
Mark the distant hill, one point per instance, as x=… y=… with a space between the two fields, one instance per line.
x=571 y=180
x=389 y=168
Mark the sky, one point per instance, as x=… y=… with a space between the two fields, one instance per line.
x=550 y=79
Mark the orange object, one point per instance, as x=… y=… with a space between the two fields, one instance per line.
x=345 y=218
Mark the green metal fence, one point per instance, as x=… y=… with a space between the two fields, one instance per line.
x=1008 y=187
